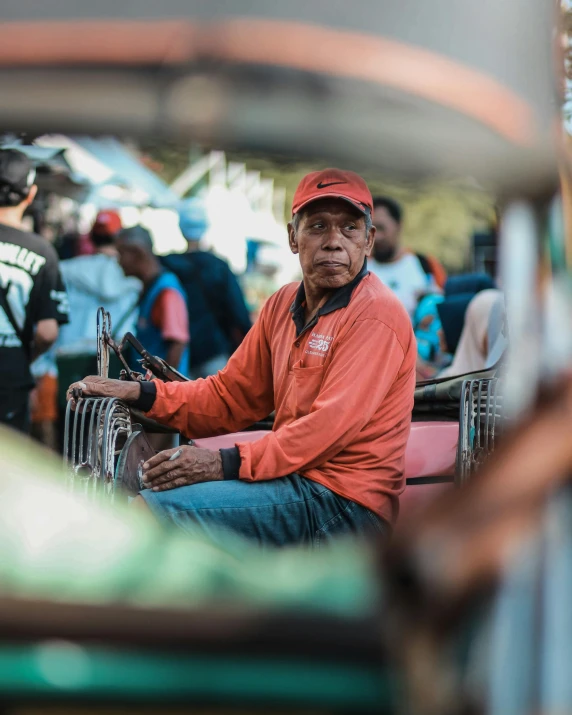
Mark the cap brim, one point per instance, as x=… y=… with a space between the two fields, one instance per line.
x=359 y=206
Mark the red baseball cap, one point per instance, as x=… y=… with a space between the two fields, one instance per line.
x=333 y=183
x=107 y=223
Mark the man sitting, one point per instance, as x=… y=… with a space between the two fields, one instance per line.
x=334 y=356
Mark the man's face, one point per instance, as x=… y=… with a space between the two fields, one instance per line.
x=129 y=258
x=387 y=232
x=332 y=243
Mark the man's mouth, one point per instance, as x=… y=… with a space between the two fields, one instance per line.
x=331 y=264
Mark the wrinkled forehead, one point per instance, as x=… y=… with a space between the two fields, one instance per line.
x=332 y=206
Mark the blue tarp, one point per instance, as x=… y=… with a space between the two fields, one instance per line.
x=41 y=156
x=60 y=179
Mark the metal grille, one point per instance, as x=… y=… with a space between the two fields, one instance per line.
x=95 y=433
x=480 y=423
x=96 y=429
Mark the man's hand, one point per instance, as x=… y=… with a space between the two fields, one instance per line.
x=95 y=386
x=193 y=465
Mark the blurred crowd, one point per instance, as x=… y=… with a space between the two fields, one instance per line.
x=459 y=321
x=163 y=301
x=189 y=308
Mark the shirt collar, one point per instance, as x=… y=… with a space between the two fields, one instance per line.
x=340 y=298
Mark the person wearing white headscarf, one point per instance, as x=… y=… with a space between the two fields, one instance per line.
x=498 y=332
x=476 y=340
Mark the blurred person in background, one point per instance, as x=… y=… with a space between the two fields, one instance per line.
x=439 y=321
x=427 y=326
x=163 y=323
x=92 y=281
x=459 y=292
x=98 y=280
x=44 y=400
x=67 y=244
x=409 y=275
x=482 y=341
x=261 y=281
x=431 y=357
x=44 y=396
x=218 y=316
x=33 y=301
x=497 y=335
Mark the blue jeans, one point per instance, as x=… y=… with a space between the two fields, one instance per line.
x=278 y=512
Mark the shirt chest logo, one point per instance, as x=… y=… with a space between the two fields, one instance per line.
x=318 y=344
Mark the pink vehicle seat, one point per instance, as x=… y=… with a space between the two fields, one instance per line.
x=431 y=448
x=431 y=452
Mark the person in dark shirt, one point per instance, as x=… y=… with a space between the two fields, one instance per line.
x=218 y=315
x=33 y=301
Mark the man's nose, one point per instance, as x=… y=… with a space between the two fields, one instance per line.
x=332 y=239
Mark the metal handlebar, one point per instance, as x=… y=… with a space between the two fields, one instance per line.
x=158 y=367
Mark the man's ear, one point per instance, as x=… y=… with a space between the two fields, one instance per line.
x=370 y=238
x=31 y=195
x=292 y=239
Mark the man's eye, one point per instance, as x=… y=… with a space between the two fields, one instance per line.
x=351 y=227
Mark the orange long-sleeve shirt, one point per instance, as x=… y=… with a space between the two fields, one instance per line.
x=342 y=390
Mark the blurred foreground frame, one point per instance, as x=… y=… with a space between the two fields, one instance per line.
x=413 y=89
x=266 y=77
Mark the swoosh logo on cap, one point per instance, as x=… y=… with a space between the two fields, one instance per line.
x=332 y=183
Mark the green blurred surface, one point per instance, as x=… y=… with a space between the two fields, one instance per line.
x=65 y=549
x=65 y=671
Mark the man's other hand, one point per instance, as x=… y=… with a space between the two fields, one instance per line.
x=193 y=465
x=95 y=386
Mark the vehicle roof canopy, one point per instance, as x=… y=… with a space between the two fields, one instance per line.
x=415 y=89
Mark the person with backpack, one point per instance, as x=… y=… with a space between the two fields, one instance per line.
x=98 y=280
x=218 y=316
x=409 y=275
x=163 y=324
x=92 y=281
x=33 y=301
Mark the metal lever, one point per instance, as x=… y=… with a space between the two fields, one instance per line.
x=159 y=368
x=103 y=335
